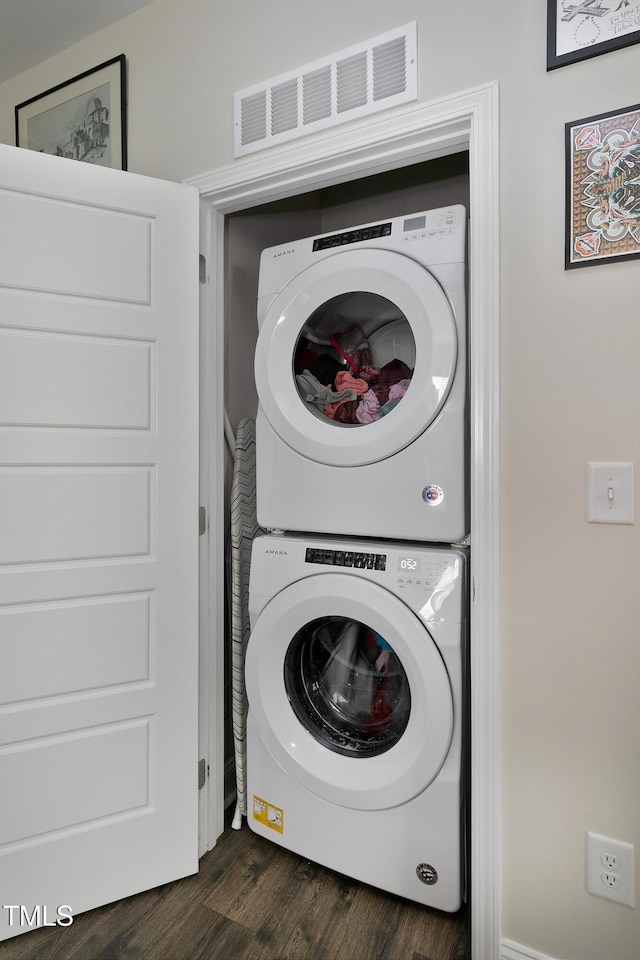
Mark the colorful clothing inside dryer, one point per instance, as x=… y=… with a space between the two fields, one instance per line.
x=313 y=392
x=355 y=393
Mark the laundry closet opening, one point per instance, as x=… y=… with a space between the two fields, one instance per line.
x=418 y=187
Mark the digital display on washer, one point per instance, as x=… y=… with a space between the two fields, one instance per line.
x=346 y=558
x=352 y=236
x=408 y=565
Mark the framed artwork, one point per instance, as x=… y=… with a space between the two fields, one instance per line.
x=603 y=188
x=577 y=29
x=83 y=118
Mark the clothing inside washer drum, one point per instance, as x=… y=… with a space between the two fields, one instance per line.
x=347 y=686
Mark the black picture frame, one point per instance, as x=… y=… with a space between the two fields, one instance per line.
x=84 y=118
x=592 y=27
x=602 y=205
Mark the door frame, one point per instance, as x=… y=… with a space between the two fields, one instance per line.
x=465 y=121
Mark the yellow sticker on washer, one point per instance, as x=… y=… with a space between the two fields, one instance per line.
x=268 y=815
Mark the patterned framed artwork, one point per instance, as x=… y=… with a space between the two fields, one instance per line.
x=577 y=29
x=603 y=188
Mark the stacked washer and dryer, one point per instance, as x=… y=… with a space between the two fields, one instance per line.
x=356 y=664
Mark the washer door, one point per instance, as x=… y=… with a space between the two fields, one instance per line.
x=349 y=691
x=368 y=290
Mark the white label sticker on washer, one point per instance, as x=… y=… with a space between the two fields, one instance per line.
x=433 y=495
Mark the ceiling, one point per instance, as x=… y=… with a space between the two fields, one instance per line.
x=34 y=30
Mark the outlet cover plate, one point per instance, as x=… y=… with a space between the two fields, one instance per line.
x=602 y=853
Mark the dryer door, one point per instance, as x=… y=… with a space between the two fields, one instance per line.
x=349 y=691
x=356 y=312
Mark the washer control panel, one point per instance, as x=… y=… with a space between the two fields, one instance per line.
x=430 y=579
x=346 y=558
x=407 y=570
x=423 y=572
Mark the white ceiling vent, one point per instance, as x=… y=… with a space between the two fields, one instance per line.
x=364 y=79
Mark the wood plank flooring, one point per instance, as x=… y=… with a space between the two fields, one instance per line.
x=252 y=900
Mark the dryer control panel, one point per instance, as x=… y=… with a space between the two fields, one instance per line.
x=352 y=236
x=438 y=237
x=432 y=225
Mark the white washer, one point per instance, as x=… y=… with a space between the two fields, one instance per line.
x=397 y=470
x=355 y=675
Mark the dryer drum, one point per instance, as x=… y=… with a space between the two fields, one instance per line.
x=348 y=377
x=347 y=687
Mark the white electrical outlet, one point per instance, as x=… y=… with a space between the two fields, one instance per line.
x=610 y=869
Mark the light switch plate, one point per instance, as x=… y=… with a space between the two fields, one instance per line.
x=610 y=492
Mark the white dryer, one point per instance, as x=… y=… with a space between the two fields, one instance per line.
x=361 y=373
x=355 y=674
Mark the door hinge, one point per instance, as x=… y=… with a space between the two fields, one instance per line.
x=203 y=268
x=203 y=773
x=203 y=521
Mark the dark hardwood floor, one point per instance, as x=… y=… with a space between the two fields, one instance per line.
x=252 y=900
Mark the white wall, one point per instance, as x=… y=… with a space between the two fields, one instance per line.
x=570 y=393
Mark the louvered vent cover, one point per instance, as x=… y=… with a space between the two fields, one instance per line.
x=372 y=76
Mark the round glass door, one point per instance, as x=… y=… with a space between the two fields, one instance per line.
x=348 y=691
x=347 y=686
x=354 y=359
x=362 y=338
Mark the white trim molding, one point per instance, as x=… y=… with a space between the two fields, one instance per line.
x=517 y=951
x=465 y=121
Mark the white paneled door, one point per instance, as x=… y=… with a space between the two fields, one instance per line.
x=98 y=536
